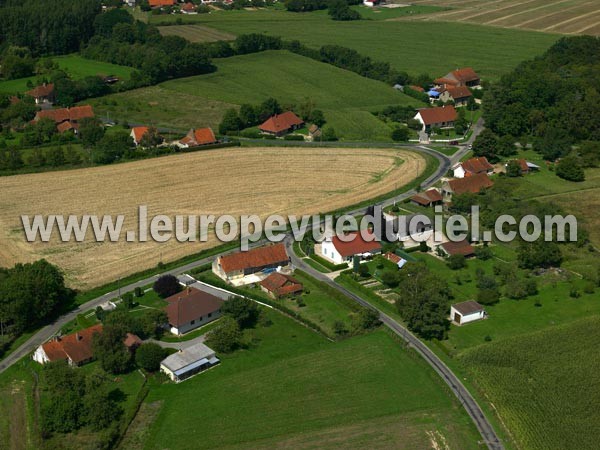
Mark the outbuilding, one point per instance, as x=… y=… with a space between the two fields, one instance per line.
x=466 y=312
x=188 y=362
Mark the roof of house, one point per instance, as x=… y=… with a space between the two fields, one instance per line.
x=428 y=197
x=64 y=126
x=281 y=122
x=472 y=184
x=416 y=88
x=258 y=257
x=357 y=245
x=438 y=114
x=468 y=307
x=187 y=356
x=157 y=3
x=392 y=257
x=199 y=136
x=477 y=165
x=458 y=248
x=43 y=90
x=76 y=346
x=190 y=304
x=132 y=340
x=444 y=80
x=281 y=284
x=138 y=133
x=62 y=114
x=188 y=6
x=464 y=75
x=459 y=92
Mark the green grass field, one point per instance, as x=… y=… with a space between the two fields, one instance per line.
x=292 y=388
x=434 y=48
x=545 y=385
x=76 y=66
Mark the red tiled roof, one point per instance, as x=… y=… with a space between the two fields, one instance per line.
x=138 y=133
x=199 y=136
x=188 y=7
x=281 y=284
x=158 y=3
x=428 y=197
x=357 y=245
x=472 y=184
x=465 y=75
x=43 y=90
x=459 y=92
x=477 y=165
x=76 y=346
x=256 y=258
x=64 y=126
x=458 y=248
x=281 y=122
x=439 y=114
x=392 y=257
x=444 y=81
x=417 y=88
x=132 y=340
x=62 y=114
x=523 y=165
x=191 y=304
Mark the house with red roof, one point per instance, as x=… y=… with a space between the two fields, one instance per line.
x=473 y=166
x=463 y=77
x=428 y=198
x=473 y=185
x=251 y=266
x=66 y=118
x=43 y=93
x=197 y=137
x=137 y=133
x=457 y=248
x=438 y=117
x=279 y=285
x=341 y=249
x=75 y=348
x=160 y=3
x=460 y=95
x=281 y=124
x=190 y=309
x=188 y=8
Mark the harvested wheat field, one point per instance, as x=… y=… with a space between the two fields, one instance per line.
x=552 y=16
x=226 y=181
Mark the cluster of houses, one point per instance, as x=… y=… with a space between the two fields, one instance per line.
x=184 y=7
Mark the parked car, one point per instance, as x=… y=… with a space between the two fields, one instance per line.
x=453 y=142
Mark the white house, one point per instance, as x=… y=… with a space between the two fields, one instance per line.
x=188 y=362
x=438 y=117
x=473 y=166
x=190 y=309
x=340 y=251
x=371 y=2
x=466 y=312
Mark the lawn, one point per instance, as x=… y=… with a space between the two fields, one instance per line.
x=545 y=385
x=76 y=66
x=434 y=48
x=346 y=98
x=384 y=13
x=292 y=388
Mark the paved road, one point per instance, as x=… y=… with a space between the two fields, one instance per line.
x=485 y=428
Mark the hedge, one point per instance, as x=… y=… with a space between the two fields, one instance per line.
x=329 y=265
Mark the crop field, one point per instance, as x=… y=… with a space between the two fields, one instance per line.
x=226 y=181
x=545 y=385
x=407 y=45
x=553 y=16
x=293 y=389
x=76 y=66
x=196 y=33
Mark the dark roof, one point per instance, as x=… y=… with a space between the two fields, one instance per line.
x=428 y=197
x=281 y=284
x=357 y=245
x=464 y=75
x=469 y=307
x=459 y=92
x=76 y=346
x=477 y=165
x=43 y=90
x=191 y=304
x=472 y=184
x=458 y=248
x=438 y=115
x=281 y=122
x=259 y=257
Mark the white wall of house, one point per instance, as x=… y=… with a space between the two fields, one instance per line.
x=40 y=355
x=459 y=172
x=467 y=317
x=329 y=251
x=186 y=328
x=421 y=121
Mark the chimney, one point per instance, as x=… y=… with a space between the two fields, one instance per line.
x=189 y=290
x=77 y=336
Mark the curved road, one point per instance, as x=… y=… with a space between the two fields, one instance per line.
x=485 y=428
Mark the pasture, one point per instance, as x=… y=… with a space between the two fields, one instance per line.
x=290 y=388
x=233 y=181
x=196 y=33
x=76 y=66
x=544 y=385
x=408 y=45
x=555 y=16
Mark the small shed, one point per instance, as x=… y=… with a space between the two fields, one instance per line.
x=188 y=362
x=466 y=312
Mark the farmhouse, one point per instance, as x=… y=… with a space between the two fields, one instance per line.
x=428 y=198
x=188 y=362
x=188 y=8
x=137 y=133
x=251 y=266
x=460 y=95
x=43 y=93
x=75 y=348
x=439 y=117
x=279 y=285
x=457 y=248
x=466 y=312
x=281 y=124
x=66 y=118
x=473 y=166
x=472 y=184
x=197 y=137
x=459 y=77
x=338 y=251
x=160 y=3
x=191 y=309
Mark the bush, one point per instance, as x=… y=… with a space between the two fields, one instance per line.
x=363 y=271
x=245 y=312
x=293 y=137
x=148 y=356
x=166 y=285
x=456 y=262
x=226 y=337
